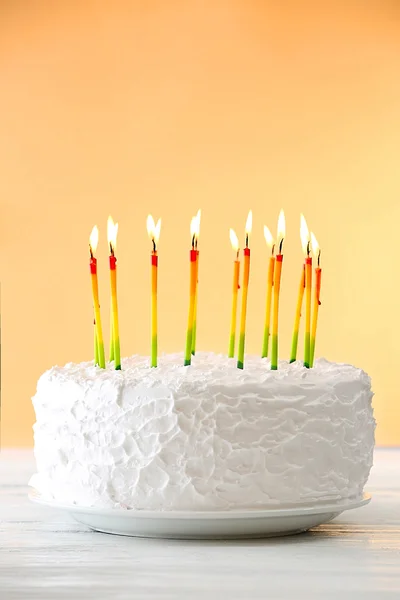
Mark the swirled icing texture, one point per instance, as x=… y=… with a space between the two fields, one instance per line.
x=204 y=437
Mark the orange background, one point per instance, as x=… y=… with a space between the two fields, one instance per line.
x=165 y=107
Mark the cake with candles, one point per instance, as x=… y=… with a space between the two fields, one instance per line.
x=199 y=431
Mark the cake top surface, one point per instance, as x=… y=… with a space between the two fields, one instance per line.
x=207 y=369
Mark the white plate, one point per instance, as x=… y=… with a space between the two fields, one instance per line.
x=203 y=525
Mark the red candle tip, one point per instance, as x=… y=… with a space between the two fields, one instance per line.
x=93 y=266
x=113 y=262
x=246 y=251
x=154 y=260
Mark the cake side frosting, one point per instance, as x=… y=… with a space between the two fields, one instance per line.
x=204 y=437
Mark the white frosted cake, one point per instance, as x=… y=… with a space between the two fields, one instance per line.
x=205 y=437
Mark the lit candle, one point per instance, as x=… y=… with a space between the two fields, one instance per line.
x=270 y=282
x=236 y=272
x=198 y=217
x=154 y=234
x=305 y=240
x=192 y=294
x=99 y=344
x=246 y=274
x=112 y=229
x=317 y=289
x=308 y=282
x=111 y=334
x=277 y=288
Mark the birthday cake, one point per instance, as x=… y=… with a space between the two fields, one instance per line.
x=208 y=437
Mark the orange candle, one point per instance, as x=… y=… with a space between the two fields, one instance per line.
x=192 y=293
x=305 y=241
x=317 y=293
x=112 y=241
x=270 y=282
x=194 y=335
x=307 y=336
x=99 y=344
x=154 y=235
x=235 y=290
x=277 y=289
x=246 y=275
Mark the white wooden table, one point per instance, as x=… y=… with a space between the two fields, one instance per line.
x=44 y=555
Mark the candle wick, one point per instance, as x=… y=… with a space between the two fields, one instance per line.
x=273 y=250
x=91 y=251
x=154 y=245
x=319 y=256
x=281 y=245
x=247 y=240
x=308 y=248
x=193 y=241
x=111 y=249
x=238 y=254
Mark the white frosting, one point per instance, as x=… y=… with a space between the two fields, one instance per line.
x=204 y=437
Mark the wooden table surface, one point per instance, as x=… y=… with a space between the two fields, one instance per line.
x=45 y=555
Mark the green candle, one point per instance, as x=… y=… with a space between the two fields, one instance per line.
x=192 y=295
x=305 y=244
x=245 y=288
x=154 y=234
x=270 y=284
x=194 y=334
x=277 y=288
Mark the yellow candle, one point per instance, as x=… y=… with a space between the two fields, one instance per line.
x=99 y=344
x=194 y=335
x=307 y=338
x=305 y=241
x=246 y=275
x=277 y=289
x=154 y=234
x=270 y=282
x=112 y=241
x=295 y=337
x=317 y=293
x=192 y=293
x=235 y=290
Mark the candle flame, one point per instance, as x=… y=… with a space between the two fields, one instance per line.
x=304 y=236
x=153 y=230
x=269 y=237
x=281 y=230
x=94 y=239
x=234 y=240
x=112 y=230
x=195 y=228
x=150 y=226
x=249 y=223
x=315 y=247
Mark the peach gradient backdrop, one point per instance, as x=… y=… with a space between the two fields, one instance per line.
x=168 y=106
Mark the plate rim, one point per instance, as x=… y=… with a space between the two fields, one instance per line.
x=36 y=497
